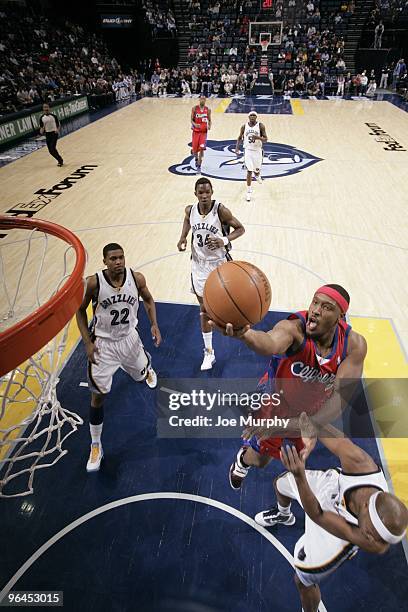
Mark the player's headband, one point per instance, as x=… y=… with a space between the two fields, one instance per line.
x=336 y=296
x=382 y=530
x=253 y=113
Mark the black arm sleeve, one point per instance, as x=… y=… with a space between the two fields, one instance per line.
x=57 y=123
x=41 y=121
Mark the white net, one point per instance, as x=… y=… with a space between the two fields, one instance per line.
x=33 y=424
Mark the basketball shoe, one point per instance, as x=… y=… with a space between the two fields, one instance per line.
x=273 y=516
x=95 y=458
x=249 y=194
x=238 y=470
x=151 y=378
x=209 y=360
x=259 y=178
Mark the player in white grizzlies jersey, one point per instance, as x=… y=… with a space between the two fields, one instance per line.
x=114 y=341
x=209 y=222
x=346 y=509
x=254 y=135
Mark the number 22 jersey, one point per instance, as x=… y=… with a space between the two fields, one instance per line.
x=115 y=308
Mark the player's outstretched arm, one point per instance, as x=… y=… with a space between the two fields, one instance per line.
x=353 y=459
x=274 y=342
x=182 y=243
x=150 y=307
x=82 y=317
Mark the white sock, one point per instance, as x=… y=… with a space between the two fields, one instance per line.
x=284 y=509
x=207 y=337
x=249 y=189
x=96 y=431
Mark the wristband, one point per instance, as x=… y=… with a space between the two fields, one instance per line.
x=225 y=240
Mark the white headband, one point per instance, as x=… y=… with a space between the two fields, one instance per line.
x=253 y=113
x=382 y=530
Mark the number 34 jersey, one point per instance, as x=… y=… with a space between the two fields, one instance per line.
x=204 y=227
x=115 y=308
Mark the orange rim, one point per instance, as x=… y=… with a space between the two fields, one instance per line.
x=25 y=338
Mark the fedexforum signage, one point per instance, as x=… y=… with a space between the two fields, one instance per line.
x=10 y=130
x=382 y=136
x=44 y=196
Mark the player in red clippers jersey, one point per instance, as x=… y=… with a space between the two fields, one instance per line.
x=315 y=346
x=200 y=124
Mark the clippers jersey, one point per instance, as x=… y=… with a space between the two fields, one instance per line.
x=201 y=118
x=115 y=308
x=249 y=143
x=303 y=378
x=204 y=227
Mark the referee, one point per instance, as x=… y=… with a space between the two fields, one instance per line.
x=50 y=124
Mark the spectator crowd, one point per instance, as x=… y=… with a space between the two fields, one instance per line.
x=160 y=18
x=41 y=60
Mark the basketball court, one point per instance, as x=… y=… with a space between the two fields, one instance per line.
x=158 y=528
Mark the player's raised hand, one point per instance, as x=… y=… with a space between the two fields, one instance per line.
x=229 y=330
x=292 y=462
x=182 y=244
x=156 y=335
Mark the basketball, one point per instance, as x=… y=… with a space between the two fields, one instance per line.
x=237 y=292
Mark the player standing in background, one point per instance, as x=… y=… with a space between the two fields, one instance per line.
x=50 y=124
x=254 y=135
x=200 y=124
x=114 y=341
x=209 y=221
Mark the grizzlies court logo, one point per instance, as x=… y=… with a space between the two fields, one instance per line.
x=221 y=162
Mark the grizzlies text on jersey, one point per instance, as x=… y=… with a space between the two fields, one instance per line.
x=115 y=308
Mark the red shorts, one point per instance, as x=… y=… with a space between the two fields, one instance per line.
x=199 y=141
x=271 y=446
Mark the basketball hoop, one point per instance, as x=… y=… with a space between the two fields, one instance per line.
x=35 y=312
